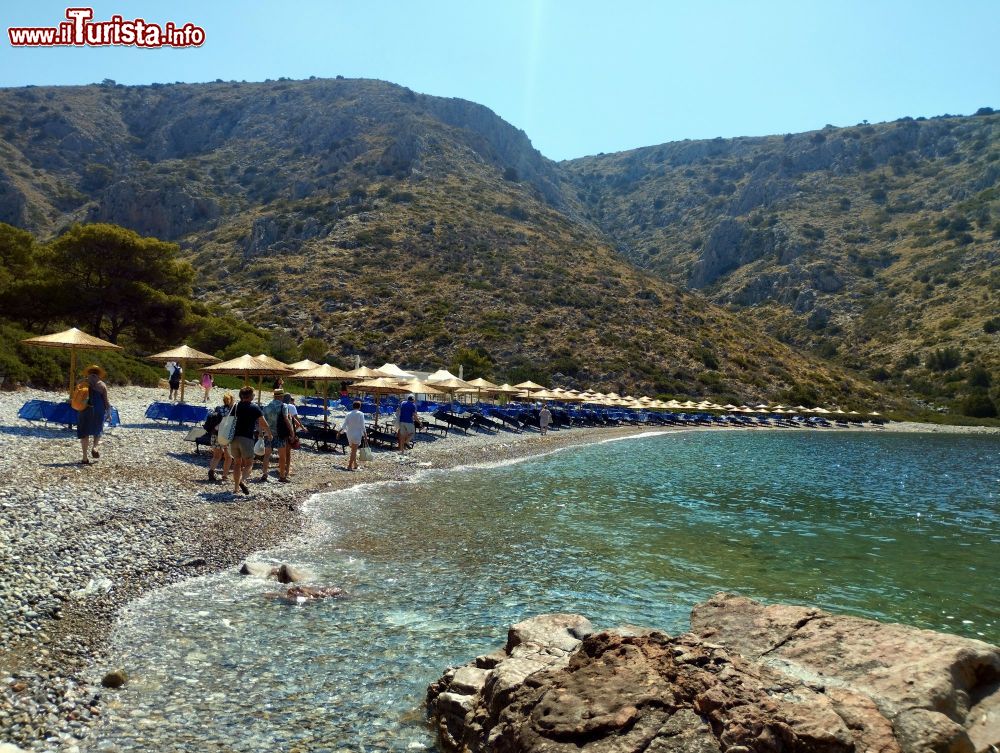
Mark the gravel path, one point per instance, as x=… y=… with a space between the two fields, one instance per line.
x=79 y=542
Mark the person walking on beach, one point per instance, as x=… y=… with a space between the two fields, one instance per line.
x=90 y=420
x=175 y=382
x=248 y=418
x=272 y=414
x=293 y=416
x=282 y=429
x=219 y=451
x=354 y=427
x=544 y=418
x=406 y=422
x=206 y=385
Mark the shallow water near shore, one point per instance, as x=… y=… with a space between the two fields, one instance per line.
x=902 y=528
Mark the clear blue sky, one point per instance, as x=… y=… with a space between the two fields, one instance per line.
x=579 y=77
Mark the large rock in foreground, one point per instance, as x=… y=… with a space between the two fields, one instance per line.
x=748 y=677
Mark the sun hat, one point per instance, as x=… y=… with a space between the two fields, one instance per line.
x=95 y=369
x=278 y=392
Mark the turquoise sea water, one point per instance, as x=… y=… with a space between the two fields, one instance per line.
x=897 y=527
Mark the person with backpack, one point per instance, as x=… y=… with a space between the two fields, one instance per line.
x=175 y=382
x=90 y=398
x=219 y=451
x=280 y=424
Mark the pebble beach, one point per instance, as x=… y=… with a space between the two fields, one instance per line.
x=77 y=543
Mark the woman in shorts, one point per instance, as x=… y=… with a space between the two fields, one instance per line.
x=354 y=427
x=220 y=451
x=248 y=419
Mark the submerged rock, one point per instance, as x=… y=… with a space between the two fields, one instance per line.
x=283 y=574
x=748 y=677
x=115 y=678
x=301 y=594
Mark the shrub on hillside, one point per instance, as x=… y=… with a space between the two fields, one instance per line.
x=979 y=377
x=879 y=374
x=979 y=405
x=944 y=359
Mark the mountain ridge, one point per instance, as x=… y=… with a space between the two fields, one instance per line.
x=298 y=190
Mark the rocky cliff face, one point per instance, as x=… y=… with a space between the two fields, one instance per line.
x=746 y=678
x=218 y=149
x=891 y=227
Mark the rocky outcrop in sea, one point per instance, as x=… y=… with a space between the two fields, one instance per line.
x=747 y=677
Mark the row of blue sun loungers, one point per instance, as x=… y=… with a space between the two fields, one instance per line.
x=484 y=417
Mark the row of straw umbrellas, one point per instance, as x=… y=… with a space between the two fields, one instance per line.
x=390 y=379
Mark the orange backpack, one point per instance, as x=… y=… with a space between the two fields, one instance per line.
x=80 y=399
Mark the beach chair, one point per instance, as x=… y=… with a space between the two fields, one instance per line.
x=182 y=413
x=323 y=438
x=429 y=425
x=509 y=421
x=482 y=422
x=382 y=438
x=454 y=421
x=310 y=411
x=57 y=413
x=200 y=438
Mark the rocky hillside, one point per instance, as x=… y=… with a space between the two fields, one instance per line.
x=876 y=246
x=390 y=224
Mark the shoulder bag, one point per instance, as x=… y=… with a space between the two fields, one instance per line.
x=227 y=427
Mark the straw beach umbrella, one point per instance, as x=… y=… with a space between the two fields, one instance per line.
x=450 y=386
x=529 y=386
x=73 y=340
x=363 y=372
x=276 y=364
x=380 y=386
x=481 y=385
x=303 y=365
x=391 y=369
x=184 y=355
x=544 y=394
x=324 y=374
x=247 y=366
x=505 y=390
x=441 y=375
x=420 y=388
